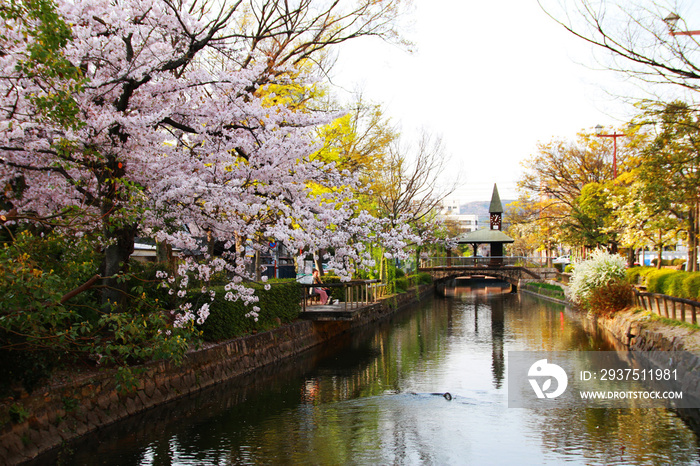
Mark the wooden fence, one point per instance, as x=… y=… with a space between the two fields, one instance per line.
x=356 y=293
x=684 y=310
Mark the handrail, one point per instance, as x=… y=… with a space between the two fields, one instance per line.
x=644 y=300
x=356 y=292
x=475 y=261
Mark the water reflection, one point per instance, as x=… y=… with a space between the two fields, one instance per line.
x=368 y=398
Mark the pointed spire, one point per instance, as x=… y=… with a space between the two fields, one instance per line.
x=496 y=207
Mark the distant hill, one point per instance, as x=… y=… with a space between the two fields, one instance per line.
x=481 y=208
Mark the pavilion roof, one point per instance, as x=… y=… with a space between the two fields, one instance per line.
x=484 y=236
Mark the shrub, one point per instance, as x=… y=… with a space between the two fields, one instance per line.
x=655 y=280
x=634 y=275
x=400 y=285
x=673 y=284
x=610 y=297
x=664 y=262
x=231 y=319
x=39 y=332
x=691 y=286
x=595 y=272
x=639 y=275
x=678 y=262
x=601 y=269
x=423 y=278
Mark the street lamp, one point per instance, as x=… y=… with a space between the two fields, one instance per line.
x=614 y=135
x=671 y=21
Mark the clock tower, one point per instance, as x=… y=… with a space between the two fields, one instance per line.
x=492 y=236
x=495 y=210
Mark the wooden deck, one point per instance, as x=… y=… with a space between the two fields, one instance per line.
x=321 y=312
x=359 y=296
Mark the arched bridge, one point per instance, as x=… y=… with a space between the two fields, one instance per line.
x=508 y=269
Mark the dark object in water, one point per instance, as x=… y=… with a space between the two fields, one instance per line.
x=445 y=395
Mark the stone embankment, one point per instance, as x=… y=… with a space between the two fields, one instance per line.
x=59 y=413
x=636 y=330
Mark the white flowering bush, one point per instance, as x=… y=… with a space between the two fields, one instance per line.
x=601 y=271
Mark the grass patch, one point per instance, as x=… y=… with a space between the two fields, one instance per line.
x=547 y=286
x=546 y=289
x=653 y=317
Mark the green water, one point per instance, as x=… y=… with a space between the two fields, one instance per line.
x=373 y=397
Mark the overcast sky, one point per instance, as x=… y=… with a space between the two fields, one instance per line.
x=493 y=78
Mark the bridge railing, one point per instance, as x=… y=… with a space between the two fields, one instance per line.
x=513 y=261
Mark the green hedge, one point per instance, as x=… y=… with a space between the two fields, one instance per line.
x=227 y=319
x=668 y=262
x=676 y=283
x=638 y=275
x=400 y=285
x=423 y=278
x=658 y=280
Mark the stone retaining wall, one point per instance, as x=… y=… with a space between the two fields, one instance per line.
x=62 y=412
x=631 y=330
x=635 y=331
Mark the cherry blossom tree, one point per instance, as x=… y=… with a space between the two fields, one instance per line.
x=171 y=138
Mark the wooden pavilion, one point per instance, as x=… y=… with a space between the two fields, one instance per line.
x=493 y=236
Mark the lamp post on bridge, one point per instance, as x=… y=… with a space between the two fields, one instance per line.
x=614 y=135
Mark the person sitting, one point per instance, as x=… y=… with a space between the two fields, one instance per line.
x=321 y=291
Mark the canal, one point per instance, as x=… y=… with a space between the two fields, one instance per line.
x=377 y=397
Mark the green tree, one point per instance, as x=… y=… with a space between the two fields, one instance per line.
x=640 y=220
x=360 y=142
x=552 y=184
x=47 y=34
x=592 y=217
x=669 y=170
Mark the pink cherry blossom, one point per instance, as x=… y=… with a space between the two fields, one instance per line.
x=176 y=144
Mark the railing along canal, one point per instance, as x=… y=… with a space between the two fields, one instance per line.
x=356 y=293
x=668 y=306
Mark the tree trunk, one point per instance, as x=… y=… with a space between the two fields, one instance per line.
x=164 y=256
x=381 y=266
x=258 y=266
x=613 y=247
x=117 y=232
x=116 y=262
x=318 y=263
x=211 y=242
x=692 y=240
x=660 y=247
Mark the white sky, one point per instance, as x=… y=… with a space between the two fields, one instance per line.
x=493 y=78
